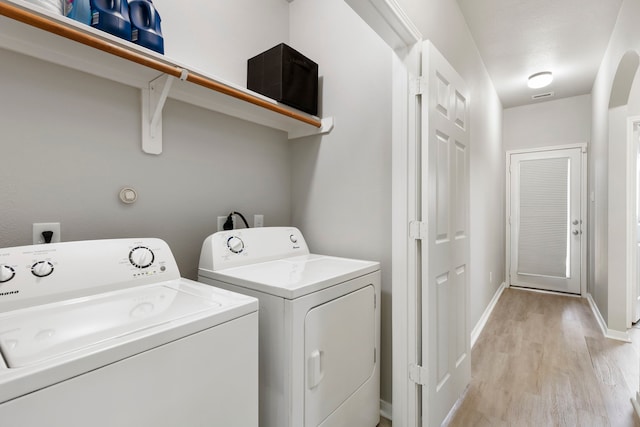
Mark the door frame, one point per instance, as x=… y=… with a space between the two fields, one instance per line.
x=633 y=122
x=391 y=23
x=583 y=207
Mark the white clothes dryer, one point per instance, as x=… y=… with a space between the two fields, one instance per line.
x=106 y=333
x=319 y=325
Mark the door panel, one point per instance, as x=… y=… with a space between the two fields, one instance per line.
x=546 y=220
x=339 y=351
x=445 y=251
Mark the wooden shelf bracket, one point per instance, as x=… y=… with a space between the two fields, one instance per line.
x=153 y=99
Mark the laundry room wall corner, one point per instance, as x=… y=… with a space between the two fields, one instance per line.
x=341 y=182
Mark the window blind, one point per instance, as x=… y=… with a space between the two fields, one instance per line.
x=544 y=223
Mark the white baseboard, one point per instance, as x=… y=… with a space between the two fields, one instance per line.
x=609 y=333
x=386 y=409
x=636 y=404
x=475 y=333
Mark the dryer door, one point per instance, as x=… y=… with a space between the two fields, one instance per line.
x=339 y=351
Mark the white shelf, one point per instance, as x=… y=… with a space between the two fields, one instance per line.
x=87 y=49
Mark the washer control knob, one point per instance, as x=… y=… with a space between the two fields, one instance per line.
x=293 y=238
x=6 y=273
x=235 y=244
x=141 y=257
x=42 y=269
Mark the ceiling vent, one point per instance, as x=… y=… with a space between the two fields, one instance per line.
x=543 y=95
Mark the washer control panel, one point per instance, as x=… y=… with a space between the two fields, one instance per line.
x=39 y=274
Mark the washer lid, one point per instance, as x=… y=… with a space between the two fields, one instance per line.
x=33 y=335
x=295 y=276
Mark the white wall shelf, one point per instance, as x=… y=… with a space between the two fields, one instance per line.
x=36 y=32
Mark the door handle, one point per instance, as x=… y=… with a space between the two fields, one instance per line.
x=314 y=369
x=575 y=222
x=576 y=232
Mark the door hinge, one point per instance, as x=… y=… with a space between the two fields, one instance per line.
x=418 y=86
x=418 y=374
x=418 y=230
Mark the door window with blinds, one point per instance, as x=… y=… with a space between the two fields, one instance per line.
x=544 y=218
x=546 y=224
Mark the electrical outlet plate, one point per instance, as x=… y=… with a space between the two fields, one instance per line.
x=258 y=221
x=223 y=219
x=39 y=227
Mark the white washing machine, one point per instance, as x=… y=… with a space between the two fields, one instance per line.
x=105 y=333
x=319 y=325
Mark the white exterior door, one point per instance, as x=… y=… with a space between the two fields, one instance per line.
x=445 y=251
x=546 y=221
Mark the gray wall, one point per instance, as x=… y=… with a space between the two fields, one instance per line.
x=217 y=37
x=71 y=141
x=607 y=176
x=559 y=122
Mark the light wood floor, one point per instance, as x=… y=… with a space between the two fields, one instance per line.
x=542 y=360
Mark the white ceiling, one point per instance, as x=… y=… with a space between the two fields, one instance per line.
x=517 y=38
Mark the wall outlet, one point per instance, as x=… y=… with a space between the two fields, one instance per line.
x=39 y=227
x=223 y=219
x=258 y=221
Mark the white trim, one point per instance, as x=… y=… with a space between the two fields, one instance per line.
x=399 y=232
x=388 y=19
x=597 y=314
x=582 y=145
x=583 y=208
x=475 y=333
x=608 y=333
x=507 y=219
x=636 y=403
x=632 y=228
x=386 y=410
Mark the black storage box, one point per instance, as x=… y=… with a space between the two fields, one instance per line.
x=284 y=74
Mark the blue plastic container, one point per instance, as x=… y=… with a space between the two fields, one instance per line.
x=145 y=25
x=80 y=10
x=111 y=16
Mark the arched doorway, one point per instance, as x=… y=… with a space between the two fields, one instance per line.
x=624 y=111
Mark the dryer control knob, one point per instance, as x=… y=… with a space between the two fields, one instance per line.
x=141 y=257
x=235 y=244
x=42 y=268
x=6 y=273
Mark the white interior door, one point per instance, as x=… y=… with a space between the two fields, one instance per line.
x=445 y=253
x=546 y=220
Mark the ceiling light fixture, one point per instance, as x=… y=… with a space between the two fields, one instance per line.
x=538 y=80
